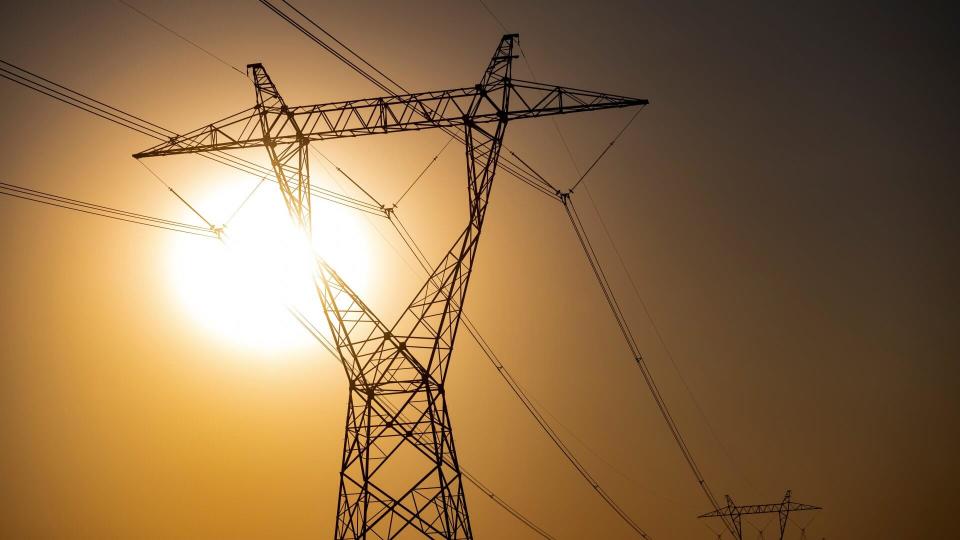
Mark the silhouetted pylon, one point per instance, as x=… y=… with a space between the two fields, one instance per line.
x=399 y=474
x=733 y=514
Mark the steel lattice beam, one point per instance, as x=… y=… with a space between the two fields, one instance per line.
x=411 y=112
x=735 y=513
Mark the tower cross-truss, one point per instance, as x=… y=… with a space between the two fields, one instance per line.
x=733 y=513
x=399 y=475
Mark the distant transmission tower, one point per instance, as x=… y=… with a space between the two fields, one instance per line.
x=733 y=514
x=399 y=474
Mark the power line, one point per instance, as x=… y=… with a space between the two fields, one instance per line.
x=611 y=299
x=656 y=330
x=83 y=99
x=377 y=203
x=369 y=222
x=177 y=195
x=342 y=44
x=631 y=342
x=182 y=37
x=612 y=466
x=59 y=201
x=605 y=150
x=424 y=171
x=322 y=43
x=494 y=15
x=60 y=97
x=244 y=202
x=133 y=122
x=92 y=206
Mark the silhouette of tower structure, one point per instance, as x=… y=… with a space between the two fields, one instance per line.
x=732 y=514
x=399 y=474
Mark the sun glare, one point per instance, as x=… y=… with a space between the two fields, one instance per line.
x=240 y=290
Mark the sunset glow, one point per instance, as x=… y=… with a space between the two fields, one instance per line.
x=240 y=290
x=595 y=270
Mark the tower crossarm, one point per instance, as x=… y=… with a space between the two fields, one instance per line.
x=759 y=509
x=732 y=514
x=389 y=114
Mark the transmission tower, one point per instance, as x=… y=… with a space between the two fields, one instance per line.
x=731 y=513
x=399 y=474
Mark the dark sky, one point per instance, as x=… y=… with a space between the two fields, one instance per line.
x=785 y=206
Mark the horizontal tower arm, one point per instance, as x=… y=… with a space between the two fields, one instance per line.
x=760 y=509
x=409 y=112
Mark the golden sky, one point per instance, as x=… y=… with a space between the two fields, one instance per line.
x=785 y=206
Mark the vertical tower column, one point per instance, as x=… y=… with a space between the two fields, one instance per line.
x=290 y=160
x=736 y=518
x=400 y=469
x=784 y=513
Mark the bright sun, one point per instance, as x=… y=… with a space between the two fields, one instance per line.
x=240 y=290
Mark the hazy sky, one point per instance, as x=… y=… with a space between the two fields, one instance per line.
x=786 y=207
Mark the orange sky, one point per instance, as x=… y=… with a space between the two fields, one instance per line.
x=785 y=206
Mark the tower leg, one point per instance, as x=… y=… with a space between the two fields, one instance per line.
x=400 y=472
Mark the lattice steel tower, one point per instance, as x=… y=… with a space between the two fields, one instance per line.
x=732 y=514
x=399 y=475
